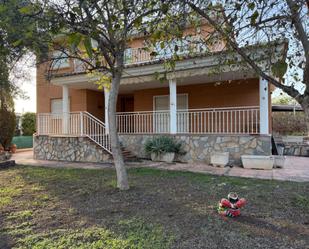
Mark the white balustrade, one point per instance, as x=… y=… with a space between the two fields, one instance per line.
x=230 y=120
x=79 y=124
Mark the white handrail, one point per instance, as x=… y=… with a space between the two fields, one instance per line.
x=95 y=129
x=81 y=124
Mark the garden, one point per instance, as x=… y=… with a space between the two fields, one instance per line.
x=79 y=208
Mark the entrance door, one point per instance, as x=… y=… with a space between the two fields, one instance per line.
x=161 y=115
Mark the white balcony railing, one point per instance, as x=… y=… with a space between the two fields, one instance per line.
x=231 y=120
x=135 y=56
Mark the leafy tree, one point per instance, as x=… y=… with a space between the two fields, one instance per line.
x=28 y=123
x=7 y=115
x=97 y=34
x=248 y=22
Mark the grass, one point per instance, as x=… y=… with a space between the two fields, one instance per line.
x=75 y=208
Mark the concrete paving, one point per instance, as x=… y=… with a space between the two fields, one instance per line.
x=296 y=168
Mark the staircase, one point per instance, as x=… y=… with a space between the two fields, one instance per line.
x=95 y=130
x=128 y=156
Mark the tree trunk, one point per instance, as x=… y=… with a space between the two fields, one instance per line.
x=122 y=177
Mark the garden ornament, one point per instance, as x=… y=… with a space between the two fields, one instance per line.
x=231 y=206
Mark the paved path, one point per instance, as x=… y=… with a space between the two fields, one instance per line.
x=296 y=168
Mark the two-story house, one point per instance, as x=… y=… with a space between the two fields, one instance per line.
x=209 y=112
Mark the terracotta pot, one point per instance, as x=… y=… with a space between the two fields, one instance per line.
x=13 y=148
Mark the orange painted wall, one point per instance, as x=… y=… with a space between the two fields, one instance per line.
x=95 y=104
x=236 y=93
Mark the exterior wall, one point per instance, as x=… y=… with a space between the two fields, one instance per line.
x=46 y=92
x=198 y=148
x=71 y=149
x=80 y=100
x=209 y=95
x=95 y=104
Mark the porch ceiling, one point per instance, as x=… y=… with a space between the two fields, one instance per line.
x=79 y=82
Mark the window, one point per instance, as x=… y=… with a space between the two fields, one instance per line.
x=162 y=103
x=60 y=60
x=56 y=106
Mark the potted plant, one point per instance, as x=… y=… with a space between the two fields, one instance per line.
x=163 y=148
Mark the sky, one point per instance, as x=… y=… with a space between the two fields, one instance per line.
x=27 y=83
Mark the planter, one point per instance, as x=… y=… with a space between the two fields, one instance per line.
x=166 y=157
x=5 y=155
x=279 y=161
x=257 y=162
x=220 y=159
x=13 y=148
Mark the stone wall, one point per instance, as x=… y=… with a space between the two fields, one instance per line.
x=72 y=149
x=200 y=147
x=291 y=149
x=292 y=145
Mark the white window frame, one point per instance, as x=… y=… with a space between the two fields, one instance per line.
x=185 y=127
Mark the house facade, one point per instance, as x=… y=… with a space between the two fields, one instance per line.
x=209 y=112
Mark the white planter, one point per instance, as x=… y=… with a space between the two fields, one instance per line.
x=279 y=161
x=257 y=162
x=219 y=158
x=166 y=157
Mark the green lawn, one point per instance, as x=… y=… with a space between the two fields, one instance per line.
x=74 y=208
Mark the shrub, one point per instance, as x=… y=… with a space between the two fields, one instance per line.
x=28 y=123
x=286 y=123
x=7 y=127
x=163 y=144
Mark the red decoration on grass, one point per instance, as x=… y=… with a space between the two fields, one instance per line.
x=231 y=206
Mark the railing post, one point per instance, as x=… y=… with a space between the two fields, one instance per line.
x=66 y=109
x=106 y=101
x=81 y=124
x=173 y=106
x=264 y=107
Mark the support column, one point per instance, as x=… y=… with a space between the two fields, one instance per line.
x=264 y=107
x=106 y=98
x=65 y=109
x=173 y=106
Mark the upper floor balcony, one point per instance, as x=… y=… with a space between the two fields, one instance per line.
x=138 y=56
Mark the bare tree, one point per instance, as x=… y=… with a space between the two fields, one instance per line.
x=253 y=22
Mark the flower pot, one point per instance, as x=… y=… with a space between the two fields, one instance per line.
x=219 y=158
x=279 y=161
x=257 y=162
x=164 y=157
x=13 y=148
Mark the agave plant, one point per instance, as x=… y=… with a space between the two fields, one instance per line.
x=163 y=144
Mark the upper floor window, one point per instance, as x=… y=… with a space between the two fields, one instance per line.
x=60 y=60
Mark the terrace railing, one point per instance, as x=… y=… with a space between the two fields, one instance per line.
x=229 y=120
